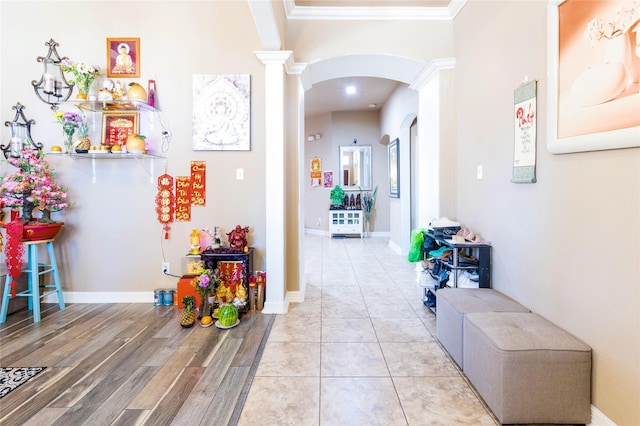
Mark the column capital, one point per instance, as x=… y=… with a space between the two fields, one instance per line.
x=273 y=56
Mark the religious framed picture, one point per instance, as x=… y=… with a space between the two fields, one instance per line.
x=221 y=112
x=594 y=72
x=394 y=169
x=117 y=126
x=123 y=57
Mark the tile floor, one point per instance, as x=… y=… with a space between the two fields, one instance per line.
x=360 y=350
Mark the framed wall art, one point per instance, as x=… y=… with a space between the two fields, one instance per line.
x=123 y=57
x=394 y=168
x=117 y=126
x=594 y=68
x=327 y=179
x=221 y=112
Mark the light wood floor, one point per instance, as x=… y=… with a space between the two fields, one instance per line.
x=126 y=364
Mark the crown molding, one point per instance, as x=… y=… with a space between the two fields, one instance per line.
x=373 y=13
x=433 y=68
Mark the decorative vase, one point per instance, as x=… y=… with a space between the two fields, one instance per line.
x=621 y=49
x=367 y=224
x=83 y=89
x=69 y=130
x=205 y=308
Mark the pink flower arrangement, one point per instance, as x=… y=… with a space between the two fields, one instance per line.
x=31 y=186
x=208 y=281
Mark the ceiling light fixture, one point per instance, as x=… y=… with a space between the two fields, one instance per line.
x=373 y=105
x=351 y=90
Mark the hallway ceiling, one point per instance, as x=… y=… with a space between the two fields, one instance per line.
x=330 y=95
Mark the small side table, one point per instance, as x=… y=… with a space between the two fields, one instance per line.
x=35 y=269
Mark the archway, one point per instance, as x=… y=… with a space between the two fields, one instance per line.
x=392 y=67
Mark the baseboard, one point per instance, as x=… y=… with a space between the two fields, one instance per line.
x=102 y=297
x=599 y=419
x=316 y=232
x=326 y=233
x=275 y=307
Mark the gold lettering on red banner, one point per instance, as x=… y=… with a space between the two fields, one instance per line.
x=198 y=183
x=183 y=199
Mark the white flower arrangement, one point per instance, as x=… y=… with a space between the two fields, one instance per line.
x=624 y=18
x=83 y=74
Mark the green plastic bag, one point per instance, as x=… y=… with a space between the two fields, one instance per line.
x=415 y=252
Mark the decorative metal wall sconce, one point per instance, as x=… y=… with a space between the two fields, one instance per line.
x=20 y=134
x=52 y=88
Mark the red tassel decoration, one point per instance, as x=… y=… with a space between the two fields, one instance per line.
x=14 y=252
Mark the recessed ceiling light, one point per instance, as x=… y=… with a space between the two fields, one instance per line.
x=351 y=90
x=373 y=105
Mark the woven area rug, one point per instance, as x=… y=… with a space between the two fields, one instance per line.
x=11 y=378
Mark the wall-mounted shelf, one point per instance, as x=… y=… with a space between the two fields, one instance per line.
x=140 y=158
x=117 y=105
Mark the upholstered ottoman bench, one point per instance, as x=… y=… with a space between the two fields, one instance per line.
x=527 y=369
x=454 y=303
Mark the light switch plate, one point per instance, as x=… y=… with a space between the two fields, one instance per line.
x=479 y=172
x=239 y=174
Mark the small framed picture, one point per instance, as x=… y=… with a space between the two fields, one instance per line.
x=117 y=126
x=394 y=169
x=123 y=57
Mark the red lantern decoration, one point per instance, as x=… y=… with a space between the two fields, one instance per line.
x=165 y=202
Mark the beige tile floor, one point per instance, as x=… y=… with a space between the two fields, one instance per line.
x=360 y=350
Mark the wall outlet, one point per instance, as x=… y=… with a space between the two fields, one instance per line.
x=166 y=268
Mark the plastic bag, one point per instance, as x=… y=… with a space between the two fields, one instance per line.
x=415 y=252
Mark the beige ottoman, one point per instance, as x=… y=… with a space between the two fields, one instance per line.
x=527 y=369
x=454 y=303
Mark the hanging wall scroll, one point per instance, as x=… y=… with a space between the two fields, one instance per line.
x=524 y=148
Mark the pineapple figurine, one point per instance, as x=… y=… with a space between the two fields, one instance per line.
x=84 y=143
x=188 y=317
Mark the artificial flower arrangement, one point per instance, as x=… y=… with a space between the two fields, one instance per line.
x=368 y=202
x=70 y=121
x=31 y=186
x=83 y=75
x=205 y=285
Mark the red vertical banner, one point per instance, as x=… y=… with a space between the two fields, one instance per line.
x=183 y=199
x=198 y=183
x=165 y=202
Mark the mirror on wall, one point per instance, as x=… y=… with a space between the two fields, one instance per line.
x=355 y=167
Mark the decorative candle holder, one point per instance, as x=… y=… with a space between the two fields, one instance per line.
x=52 y=88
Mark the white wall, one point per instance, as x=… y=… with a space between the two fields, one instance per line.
x=396 y=117
x=340 y=128
x=567 y=246
x=112 y=241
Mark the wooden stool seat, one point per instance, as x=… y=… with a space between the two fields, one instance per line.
x=35 y=269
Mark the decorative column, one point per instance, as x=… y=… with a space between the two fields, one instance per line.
x=274 y=62
x=434 y=124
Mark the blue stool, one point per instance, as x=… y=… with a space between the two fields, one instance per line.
x=34 y=270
